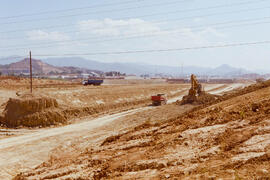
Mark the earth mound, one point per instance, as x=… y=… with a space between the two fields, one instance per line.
x=207 y=98
x=204 y=98
x=31 y=111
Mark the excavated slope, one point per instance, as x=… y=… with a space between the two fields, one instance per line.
x=228 y=138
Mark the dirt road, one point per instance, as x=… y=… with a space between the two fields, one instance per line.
x=23 y=152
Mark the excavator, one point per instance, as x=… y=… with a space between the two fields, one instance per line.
x=195 y=91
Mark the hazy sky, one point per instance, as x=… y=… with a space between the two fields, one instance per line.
x=59 y=27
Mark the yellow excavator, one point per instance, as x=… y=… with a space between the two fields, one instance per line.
x=195 y=91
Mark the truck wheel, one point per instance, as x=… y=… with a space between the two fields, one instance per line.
x=155 y=103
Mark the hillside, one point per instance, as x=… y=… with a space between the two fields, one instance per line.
x=39 y=67
x=128 y=68
x=140 y=68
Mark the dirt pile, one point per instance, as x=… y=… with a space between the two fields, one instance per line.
x=208 y=99
x=31 y=110
x=204 y=98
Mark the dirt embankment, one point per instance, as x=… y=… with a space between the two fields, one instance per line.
x=73 y=103
x=40 y=111
x=31 y=110
x=225 y=139
x=204 y=98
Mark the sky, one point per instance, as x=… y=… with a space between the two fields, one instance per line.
x=60 y=27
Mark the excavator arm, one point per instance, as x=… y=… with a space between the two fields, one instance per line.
x=194 y=91
x=196 y=88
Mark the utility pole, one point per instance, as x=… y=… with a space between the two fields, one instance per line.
x=31 y=78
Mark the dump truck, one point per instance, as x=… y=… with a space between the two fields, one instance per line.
x=95 y=82
x=159 y=99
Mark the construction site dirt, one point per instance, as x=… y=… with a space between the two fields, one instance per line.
x=225 y=139
x=123 y=123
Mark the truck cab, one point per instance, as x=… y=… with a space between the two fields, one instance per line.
x=159 y=99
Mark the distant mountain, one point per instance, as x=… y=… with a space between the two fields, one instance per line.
x=227 y=70
x=90 y=64
x=65 y=64
x=40 y=67
x=138 y=69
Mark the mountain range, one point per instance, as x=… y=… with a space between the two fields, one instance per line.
x=140 y=68
x=74 y=64
x=39 y=67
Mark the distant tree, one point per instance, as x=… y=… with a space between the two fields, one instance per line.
x=0 y=73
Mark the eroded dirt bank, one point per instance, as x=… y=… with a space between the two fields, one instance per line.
x=79 y=101
x=21 y=153
x=32 y=147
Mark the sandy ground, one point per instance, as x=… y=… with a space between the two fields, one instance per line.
x=24 y=152
x=228 y=88
x=79 y=101
x=225 y=140
x=80 y=96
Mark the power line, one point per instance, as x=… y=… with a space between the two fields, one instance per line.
x=174 y=19
x=71 y=9
x=150 y=34
x=161 y=50
x=133 y=37
x=203 y=8
x=97 y=12
x=157 y=14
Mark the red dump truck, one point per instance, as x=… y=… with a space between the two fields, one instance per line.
x=159 y=99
